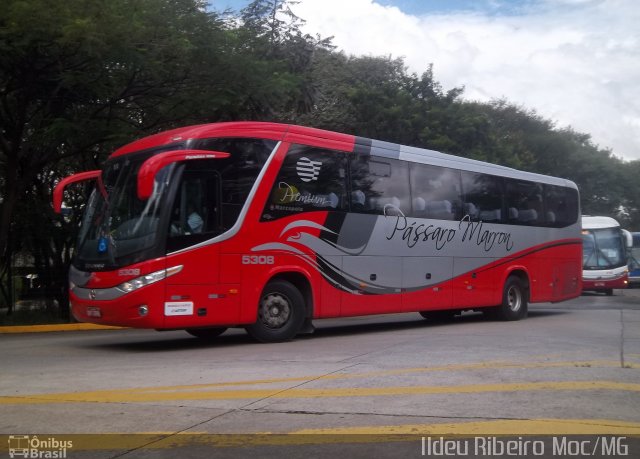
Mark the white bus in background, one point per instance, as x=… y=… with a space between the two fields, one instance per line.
x=604 y=255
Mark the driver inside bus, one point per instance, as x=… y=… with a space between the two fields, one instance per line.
x=194 y=220
x=193 y=224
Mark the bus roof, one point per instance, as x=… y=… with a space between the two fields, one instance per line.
x=589 y=222
x=294 y=133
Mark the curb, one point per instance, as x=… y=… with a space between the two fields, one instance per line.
x=54 y=328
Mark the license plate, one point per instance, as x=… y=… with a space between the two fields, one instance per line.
x=599 y=284
x=94 y=312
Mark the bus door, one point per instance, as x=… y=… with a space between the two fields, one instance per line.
x=194 y=296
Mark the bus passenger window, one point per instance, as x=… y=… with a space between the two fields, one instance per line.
x=310 y=179
x=482 y=197
x=436 y=192
x=561 y=204
x=381 y=186
x=524 y=202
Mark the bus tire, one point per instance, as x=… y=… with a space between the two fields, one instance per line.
x=514 y=300
x=281 y=313
x=206 y=333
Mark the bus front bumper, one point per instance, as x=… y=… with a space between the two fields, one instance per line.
x=600 y=284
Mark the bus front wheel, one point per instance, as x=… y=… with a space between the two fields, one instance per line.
x=514 y=300
x=281 y=313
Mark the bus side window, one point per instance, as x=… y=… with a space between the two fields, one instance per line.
x=561 y=206
x=524 y=202
x=310 y=179
x=436 y=192
x=238 y=173
x=195 y=206
x=383 y=183
x=482 y=197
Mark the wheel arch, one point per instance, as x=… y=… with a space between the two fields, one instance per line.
x=523 y=274
x=300 y=281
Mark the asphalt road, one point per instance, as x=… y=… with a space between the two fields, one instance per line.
x=375 y=386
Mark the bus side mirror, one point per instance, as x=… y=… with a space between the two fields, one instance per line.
x=149 y=169
x=58 y=191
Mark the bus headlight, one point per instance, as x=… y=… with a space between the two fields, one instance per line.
x=135 y=284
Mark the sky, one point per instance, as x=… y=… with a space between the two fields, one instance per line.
x=575 y=62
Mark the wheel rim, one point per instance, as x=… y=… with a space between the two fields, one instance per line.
x=514 y=298
x=275 y=310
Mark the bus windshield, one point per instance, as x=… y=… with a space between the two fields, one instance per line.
x=116 y=223
x=192 y=202
x=602 y=248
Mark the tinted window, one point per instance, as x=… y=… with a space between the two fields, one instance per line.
x=211 y=193
x=435 y=192
x=561 y=206
x=524 y=203
x=194 y=215
x=311 y=179
x=482 y=197
x=237 y=173
x=118 y=228
x=380 y=186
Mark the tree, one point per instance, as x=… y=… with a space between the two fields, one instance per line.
x=376 y=97
x=273 y=32
x=80 y=77
x=629 y=214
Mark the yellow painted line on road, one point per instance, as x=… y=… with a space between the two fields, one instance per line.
x=402 y=371
x=147 y=396
x=54 y=328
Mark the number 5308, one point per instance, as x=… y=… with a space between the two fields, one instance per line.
x=257 y=260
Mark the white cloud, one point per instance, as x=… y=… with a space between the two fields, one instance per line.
x=576 y=62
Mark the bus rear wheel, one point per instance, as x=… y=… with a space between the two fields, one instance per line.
x=281 y=313
x=514 y=300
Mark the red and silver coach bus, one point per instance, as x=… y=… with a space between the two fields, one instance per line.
x=269 y=226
